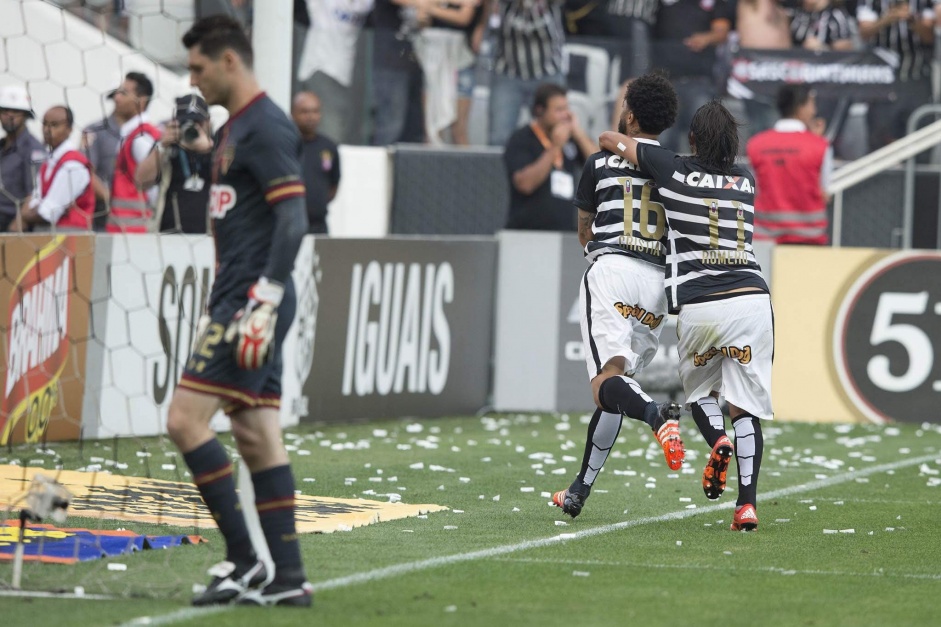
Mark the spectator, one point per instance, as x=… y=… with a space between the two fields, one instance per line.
x=628 y=22
x=818 y=25
x=528 y=54
x=63 y=198
x=20 y=153
x=609 y=18
x=443 y=52
x=905 y=29
x=397 y=76
x=792 y=164
x=543 y=161
x=100 y=143
x=326 y=64
x=761 y=24
x=182 y=165
x=320 y=161
x=467 y=77
x=687 y=34
x=130 y=207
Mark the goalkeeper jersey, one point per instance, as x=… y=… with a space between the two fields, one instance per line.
x=255 y=165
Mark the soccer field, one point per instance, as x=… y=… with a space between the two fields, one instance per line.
x=847 y=536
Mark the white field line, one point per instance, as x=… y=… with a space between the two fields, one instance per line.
x=35 y=594
x=406 y=568
x=434 y=562
x=178 y=616
x=773 y=570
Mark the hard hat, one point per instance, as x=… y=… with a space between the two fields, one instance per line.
x=16 y=98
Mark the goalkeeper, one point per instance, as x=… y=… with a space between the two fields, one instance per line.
x=258 y=220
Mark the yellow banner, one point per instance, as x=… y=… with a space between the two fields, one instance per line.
x=134 y=499
x=857 y=334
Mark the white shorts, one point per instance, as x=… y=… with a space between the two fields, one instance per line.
x=622 y=308
x=727 y=346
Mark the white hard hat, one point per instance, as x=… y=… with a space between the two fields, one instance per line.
x=16 y=98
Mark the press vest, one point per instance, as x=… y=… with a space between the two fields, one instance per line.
x=79 y=214
x=130 y=209
x=789 y=204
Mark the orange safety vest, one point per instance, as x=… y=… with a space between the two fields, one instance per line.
x=130 y=209
x=789 y=205
x=79 y=214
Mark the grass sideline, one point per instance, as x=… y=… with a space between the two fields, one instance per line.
x=648 y=547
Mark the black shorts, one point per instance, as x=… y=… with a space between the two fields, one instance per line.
x=211 y=368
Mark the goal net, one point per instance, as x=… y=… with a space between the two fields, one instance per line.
x=95 y=329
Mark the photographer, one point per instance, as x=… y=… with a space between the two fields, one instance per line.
x=182 y=164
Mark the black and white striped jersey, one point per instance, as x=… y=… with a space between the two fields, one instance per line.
x=710 y=218
x=899 y=36
x=613 y=188
x=530 y=38
x=827 y=26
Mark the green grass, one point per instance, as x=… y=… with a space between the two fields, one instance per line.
x=654 y=569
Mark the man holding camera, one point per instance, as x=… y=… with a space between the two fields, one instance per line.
x=183 y=167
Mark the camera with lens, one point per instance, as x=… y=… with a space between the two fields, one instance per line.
x=189 y=132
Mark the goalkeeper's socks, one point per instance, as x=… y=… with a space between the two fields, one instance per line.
x=623 y=395
x=274 y=500
x=602 y=433
x=212 y=474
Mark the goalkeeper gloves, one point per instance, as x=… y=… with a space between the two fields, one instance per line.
x=252 y=328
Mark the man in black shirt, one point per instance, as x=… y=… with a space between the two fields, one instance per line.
x=543 y=161
x=258 y=222
x=320 y=161
x=182 y=170
x=686 y=36
x=397 y=76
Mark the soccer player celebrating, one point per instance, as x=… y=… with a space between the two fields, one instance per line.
x=725 y=326
x=258 y=221
x=622 y=226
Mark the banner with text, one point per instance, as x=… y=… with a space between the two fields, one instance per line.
x=149 y=291
x=861 y=345
x=403 y=329
x=861 y=75
x=44 y=298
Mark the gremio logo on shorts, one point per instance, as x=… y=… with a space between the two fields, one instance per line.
x=398 y=339
x=885 y=335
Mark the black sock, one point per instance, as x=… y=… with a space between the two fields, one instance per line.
x=749 y=444
x=212 y=474
x=274 y=500
x=603 y=432
x=623 y=395
x=708 y=417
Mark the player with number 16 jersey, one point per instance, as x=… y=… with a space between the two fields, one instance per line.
x=622 y=227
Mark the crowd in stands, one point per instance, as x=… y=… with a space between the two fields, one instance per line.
x=427 y=57
x=424 y=53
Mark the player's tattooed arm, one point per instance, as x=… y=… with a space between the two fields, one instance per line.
x=585 y=220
